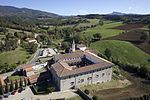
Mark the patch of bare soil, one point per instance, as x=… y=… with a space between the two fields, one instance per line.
x=129 y=36
x=134 y=38
x=144 y=46
x=129 y=26
x=139 y=87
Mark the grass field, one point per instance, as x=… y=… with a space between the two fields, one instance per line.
x=92 y=22
x=124 y=51
x=105 y=30
x=107 y=85
x=13 y=78
x=75 y=98
x=12 y=57
x=10 y=30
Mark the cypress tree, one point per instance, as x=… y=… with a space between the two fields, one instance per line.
x=29 y=82
x=108 y=53
x=1 y=89
x=16 y=85
x=11 y=86
x=21 y=83
x=25 y=82
x=6 y=88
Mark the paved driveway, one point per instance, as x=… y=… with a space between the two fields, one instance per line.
x=28 y=95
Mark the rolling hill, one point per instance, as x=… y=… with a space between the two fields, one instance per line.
x=122 y=50
x=25 y=12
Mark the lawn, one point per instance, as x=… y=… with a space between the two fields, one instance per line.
x=43 y=87
x=12 y=57
x=75 y=98
x=93 y=88
x=11 y=30
x=91 y=22
x=124 y=51
x=105 y=30
x=13 y=78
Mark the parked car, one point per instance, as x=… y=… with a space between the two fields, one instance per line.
x=1 y=97
x=6 y=95
x=20 y=90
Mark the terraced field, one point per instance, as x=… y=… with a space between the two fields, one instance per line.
x=129 y=26
x=106 y=30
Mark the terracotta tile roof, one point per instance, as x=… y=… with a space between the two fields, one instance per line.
x=28 y=69
x=1 y=80
x=73 y=61
x=38 y=77
x=62 y=71
x=26 y=66
x=34 y=78
x=68 y=56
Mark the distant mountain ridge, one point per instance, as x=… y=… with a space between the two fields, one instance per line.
x=117 y=13
x=121 y=14
x=25 y=12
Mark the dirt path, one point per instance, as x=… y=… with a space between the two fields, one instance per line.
x=140 y=87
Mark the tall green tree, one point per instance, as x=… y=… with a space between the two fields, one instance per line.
x=20 y=83
x=25 y=82
x=11 y=86
x=6 y=88
x=1 y=89
x=145 y=37
x=108 y=53
x=97 y=36
x=16 y=85
x=101 y=23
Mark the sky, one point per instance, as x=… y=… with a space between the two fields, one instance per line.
x=82 y=7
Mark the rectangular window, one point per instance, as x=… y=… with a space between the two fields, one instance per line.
x=89 y=78
x=103 y=74
x=97 y=76
x=69 y=76
x=82 y=80
x=72 y=83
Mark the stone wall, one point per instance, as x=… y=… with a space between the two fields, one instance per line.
x=93 y=77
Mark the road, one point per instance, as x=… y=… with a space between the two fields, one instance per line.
x=35 y=57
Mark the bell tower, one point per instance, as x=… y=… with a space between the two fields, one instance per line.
x=73 y=46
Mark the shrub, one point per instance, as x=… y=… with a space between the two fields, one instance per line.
x=148 y=60
x=87 y=91
x=108 y=53
x=117 y=72
x=95 y=97
x=50 y=89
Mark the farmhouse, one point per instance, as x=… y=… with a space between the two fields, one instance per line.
x=47 y=52
x=30 y=40
x=35 y=73
x=79 y=68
